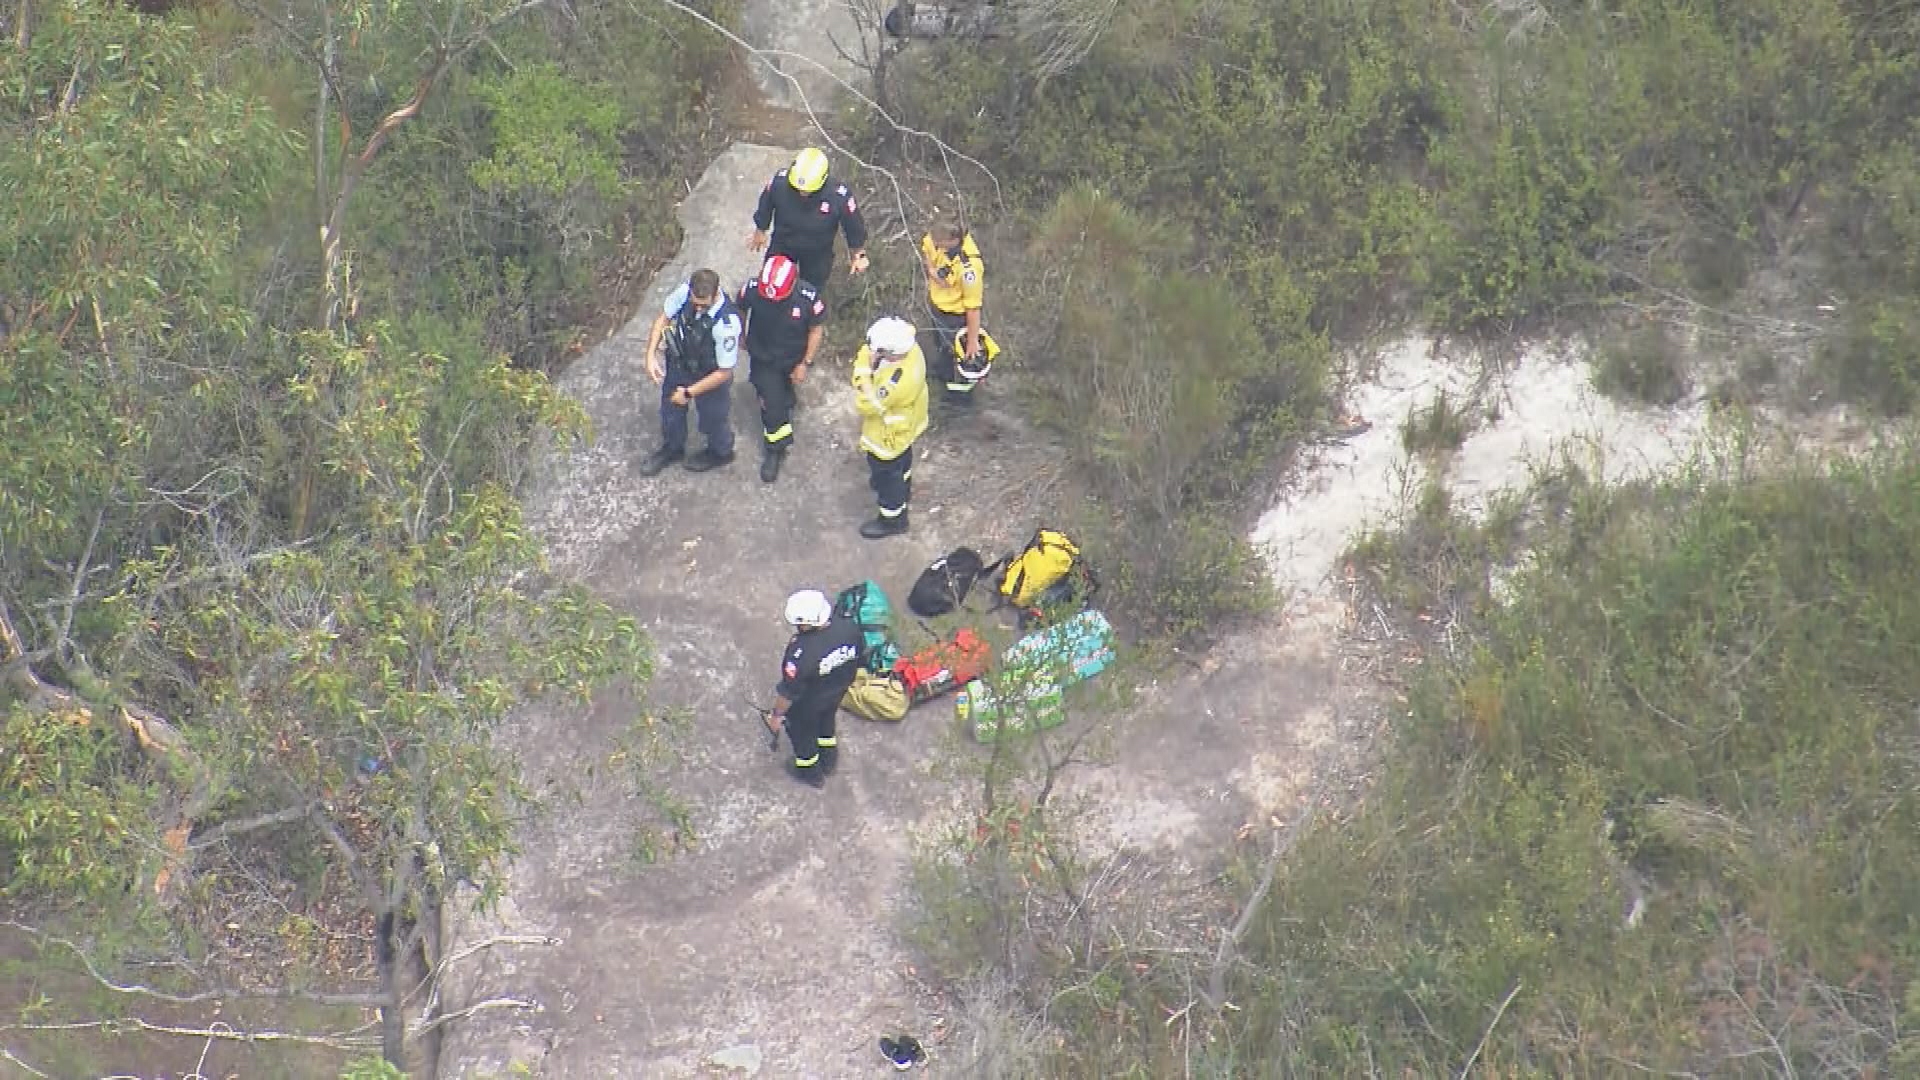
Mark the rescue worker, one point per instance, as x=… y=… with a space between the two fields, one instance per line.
x=786 y=319
x=691 y=352
x=956 y=287
x=890 y=390
x=802 y=207
x=818 y=667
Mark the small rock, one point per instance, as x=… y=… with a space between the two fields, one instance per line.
x=745 y=1057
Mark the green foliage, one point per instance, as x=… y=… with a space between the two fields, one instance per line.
x=1645 y=364
x=551 y=136
x=1153 y=387
x=74 y=826
x=1328 y=168
x=406 y=632
x=121 y=262
x=279 y=524
x=372 y=1069
x=568 y=165
x=1661 y=791
x=1438 y=427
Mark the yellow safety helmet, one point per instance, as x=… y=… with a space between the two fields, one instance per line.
x=808 y=171
x=976 y=369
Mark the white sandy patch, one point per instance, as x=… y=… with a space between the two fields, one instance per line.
x=1540 y=407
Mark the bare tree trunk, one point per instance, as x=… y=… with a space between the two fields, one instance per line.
x=23 y=26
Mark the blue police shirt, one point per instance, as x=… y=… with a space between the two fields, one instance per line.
x=726 y=331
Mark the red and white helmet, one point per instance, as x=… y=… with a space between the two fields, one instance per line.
x=777 y=277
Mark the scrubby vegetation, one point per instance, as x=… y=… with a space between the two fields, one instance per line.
x=278 y=289
x=1323 y=169
x=1661 y=806
x=1650 y=804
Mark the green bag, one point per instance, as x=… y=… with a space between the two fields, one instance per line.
x=867 y=604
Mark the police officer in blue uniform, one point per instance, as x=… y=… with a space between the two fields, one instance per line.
x=786 y=320
x=691 y=353
x=815 y=673
x=802 y=208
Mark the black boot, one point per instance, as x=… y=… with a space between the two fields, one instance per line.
x=829 y=760
x=903 y=1052
x=882 y=526
x=811 y=775
x=776 y=456
x=707 y=459
x=657 y=462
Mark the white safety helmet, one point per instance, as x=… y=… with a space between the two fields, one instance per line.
x=891 y=335
x=809 y=607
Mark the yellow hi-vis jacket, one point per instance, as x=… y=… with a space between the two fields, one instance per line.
x=954 y=285
x=892 y=399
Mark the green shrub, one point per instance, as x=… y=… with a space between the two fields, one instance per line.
x=74 y=825
x=1874 y=358
x=1439 y=427
x=1645 y=365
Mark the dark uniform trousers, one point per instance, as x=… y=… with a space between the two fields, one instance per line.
x=810 y=727
x=948 y=327
x=892 y=482
x=772 y=378
x=715 y=408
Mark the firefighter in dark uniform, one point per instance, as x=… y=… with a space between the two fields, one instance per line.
x=786 y=319
x=815 y=673
x=691 y=352
x=956 y=293
x=802 y=207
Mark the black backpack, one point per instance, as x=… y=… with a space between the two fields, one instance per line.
x=944 y=585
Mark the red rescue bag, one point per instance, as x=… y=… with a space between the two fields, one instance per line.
x=944 y=665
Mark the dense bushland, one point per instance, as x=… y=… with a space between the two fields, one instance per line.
x=1664 y=799
x=1651 y=810
x=1325 y=169
x=277 y=289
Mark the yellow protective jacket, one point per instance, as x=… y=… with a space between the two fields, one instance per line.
x=892 y=399
x=954 y=285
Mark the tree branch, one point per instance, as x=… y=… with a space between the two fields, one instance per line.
x=521 y=1004
x=246 y=825
x=4 y=1052
x=339 y=841
x=1488 y=1034
x=17 y=668
x=363 y=1001
x=217 y=1031
x=79 y=583
x=767 y=57
x=1282 y=847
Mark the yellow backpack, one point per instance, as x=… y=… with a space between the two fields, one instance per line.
x=1047 y=560
x=876 y=697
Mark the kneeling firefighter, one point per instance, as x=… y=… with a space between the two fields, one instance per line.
x=890 y=390
x=815 y=672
